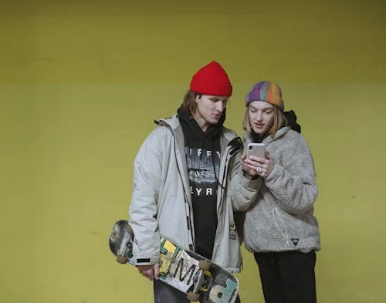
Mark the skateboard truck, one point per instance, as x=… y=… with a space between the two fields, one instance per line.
x=198 y=280
x=124 y=253
x=201 y=280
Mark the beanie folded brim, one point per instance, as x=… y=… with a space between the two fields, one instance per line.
x=214 y=90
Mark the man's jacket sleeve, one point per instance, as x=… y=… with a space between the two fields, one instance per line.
x=144 y=202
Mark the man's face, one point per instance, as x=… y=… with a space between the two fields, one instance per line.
x=260 y=116
x=209 y=110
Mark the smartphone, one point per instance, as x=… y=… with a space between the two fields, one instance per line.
x=256 y=149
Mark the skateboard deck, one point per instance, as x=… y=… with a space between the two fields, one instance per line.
x=198 y=277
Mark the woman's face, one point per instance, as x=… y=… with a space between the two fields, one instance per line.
x=261 y=116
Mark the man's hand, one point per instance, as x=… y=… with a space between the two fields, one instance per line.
x=149 y=271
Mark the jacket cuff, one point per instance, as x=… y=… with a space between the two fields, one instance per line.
x=146 y=260
x=250 y=183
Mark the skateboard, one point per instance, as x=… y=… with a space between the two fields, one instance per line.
x=187 y=271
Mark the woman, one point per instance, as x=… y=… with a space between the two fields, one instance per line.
x=280 y=227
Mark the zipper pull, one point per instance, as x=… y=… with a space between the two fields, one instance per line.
x=232 y=232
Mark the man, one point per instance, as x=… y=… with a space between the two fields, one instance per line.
x=182 y=183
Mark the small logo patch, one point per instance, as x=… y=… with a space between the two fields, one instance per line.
x=295 y=241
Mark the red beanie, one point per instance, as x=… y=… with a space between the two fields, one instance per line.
x=211 y=80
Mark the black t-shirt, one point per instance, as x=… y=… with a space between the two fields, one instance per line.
x=202 y=150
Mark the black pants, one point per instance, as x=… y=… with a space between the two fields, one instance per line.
x=287 y=277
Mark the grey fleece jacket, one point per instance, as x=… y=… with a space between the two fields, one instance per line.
x=281 y=218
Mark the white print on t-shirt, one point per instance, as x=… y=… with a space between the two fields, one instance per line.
x=203 y=168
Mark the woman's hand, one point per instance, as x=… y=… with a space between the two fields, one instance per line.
x=257 y=166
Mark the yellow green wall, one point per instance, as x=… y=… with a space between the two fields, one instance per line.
x=81 y=82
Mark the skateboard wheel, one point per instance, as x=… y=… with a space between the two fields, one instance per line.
x=122 y=259
x=193 y=296
x=204 y=265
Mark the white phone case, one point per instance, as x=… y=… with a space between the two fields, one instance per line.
x=256 y=149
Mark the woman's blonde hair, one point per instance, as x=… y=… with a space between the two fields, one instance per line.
x=279 y=120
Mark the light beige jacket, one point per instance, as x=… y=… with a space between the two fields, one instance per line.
x=161 y=201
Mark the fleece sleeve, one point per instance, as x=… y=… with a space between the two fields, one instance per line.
x=292 y=182
x=243 y=190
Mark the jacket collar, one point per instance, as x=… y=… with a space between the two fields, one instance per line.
x=280 y=133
